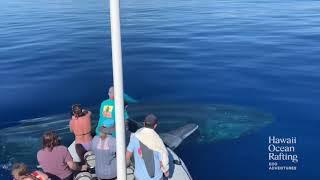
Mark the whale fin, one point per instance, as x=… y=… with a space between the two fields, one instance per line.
x=175 y=137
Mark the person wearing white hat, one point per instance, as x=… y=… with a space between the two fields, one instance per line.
x=104 y=148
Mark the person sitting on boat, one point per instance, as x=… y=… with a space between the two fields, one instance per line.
x=104 y=148
x=55 y=158
x=80 y=126
x=150 y=154
x=107 y=112
x=20 y=172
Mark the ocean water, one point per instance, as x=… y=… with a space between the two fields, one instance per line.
x=256 y=53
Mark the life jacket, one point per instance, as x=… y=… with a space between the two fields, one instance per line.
x=37 y=175
x=81 y=127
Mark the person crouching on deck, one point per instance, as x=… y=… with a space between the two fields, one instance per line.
x=80 y=126
x=150 y=154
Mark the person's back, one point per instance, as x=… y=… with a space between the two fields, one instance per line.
x=55 y=161
x=147 y=162
x=150 y=154
x=54 y=158
x=81 y=127
x=104 y=148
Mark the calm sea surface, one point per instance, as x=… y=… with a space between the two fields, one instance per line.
x=257 y=53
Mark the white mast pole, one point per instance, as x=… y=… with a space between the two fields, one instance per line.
x=118 y=87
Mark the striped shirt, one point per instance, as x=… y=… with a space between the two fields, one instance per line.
x=105 y=152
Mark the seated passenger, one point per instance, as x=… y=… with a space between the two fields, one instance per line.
x=107 y=112
x=80 y=125
x=150 y=154
x=104 y=148
x=20 y=172
x=55 y=158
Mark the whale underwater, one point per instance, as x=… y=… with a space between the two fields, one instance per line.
x=215 y=122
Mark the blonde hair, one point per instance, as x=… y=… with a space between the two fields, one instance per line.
x=20 y=169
